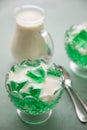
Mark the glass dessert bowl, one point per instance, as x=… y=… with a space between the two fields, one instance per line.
x=34 y=87
x=76 y=48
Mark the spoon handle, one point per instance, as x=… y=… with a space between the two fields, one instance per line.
x=80 y=114
x=84 y=105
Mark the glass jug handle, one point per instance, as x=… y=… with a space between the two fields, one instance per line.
x=49 y=43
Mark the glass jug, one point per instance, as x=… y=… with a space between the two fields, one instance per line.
x=31 y=40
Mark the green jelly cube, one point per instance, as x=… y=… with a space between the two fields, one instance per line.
x=16 y=86
x=38 y=75
x=34 y=92
x=81 y=39
x=54 y=72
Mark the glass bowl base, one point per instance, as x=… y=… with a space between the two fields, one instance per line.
x=34 y=119
x=81 y=72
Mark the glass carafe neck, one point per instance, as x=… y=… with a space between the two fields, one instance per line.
x=30 y=17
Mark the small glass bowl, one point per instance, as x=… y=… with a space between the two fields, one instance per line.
x=34 y=87
x=76 y=48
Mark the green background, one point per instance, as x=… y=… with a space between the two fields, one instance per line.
x=61 y=14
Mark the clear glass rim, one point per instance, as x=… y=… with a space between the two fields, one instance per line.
x=33 y=7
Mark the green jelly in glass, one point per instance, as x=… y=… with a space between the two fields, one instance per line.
x=76 y=44
x=76 y=48
x=35 y=87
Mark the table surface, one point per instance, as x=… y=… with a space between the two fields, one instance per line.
x=61 y=14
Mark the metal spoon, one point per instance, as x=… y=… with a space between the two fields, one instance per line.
x=67 y=82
